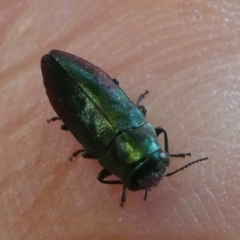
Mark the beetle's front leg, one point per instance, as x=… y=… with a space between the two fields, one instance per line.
x=104 y=174
x=146 y=194
x=124 y=195
x=160 y=130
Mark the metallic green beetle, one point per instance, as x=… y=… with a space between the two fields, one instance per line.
x=106 y=122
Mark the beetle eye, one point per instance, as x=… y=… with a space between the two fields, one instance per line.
x=164 y=158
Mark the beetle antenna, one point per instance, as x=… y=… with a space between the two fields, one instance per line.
x=181 y=155
x=187 y=165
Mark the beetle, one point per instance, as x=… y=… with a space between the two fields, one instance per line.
x=110 y=127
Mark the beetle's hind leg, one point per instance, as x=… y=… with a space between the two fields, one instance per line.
x=84 y=154
x=63 y=127
x=142 y=107
x=53 y=119
x=75 y=154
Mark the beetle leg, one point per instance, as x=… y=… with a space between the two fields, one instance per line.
x=124 y=195
x=85 y=154
x=63 y=127
x=104 y=174
x=141 y=97
x=53 y=119
x=142 y=107
x=75 y=154
x=116 y=81
x=146 y=194
x=160 y=130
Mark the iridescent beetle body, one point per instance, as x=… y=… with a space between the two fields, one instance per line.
x=106 y=122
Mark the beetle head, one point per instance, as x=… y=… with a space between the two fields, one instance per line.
x=148 y=173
